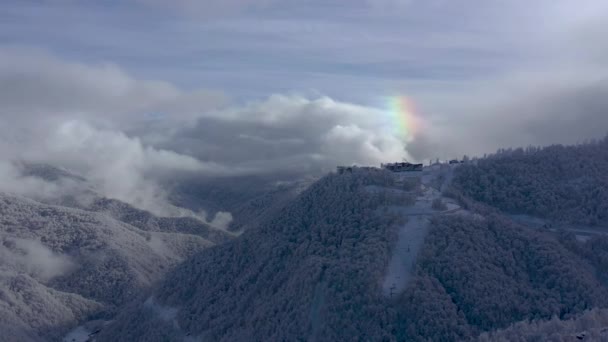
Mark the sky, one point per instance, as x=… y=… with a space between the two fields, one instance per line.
x=127 y=92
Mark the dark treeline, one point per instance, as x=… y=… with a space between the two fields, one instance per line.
x=563 y=183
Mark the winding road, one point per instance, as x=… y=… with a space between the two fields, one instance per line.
x=582 y=232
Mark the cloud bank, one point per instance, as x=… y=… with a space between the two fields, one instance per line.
x=136 y=122
x=294 y=134
x=126 y=136
x=33 y=258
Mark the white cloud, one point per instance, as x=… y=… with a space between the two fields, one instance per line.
x=35 y=85
x=74 y=115
x=293 y=133
x=221 y=220
x=116 y=165
x=34 y=258
x=209 y=8
x=12 y=181
x=352 y=145
x=520 y=108
x=126 y=134
x=164 y=313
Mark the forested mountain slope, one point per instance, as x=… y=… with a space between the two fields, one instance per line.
x=146 y=221
x=594 y=250
x=249 y=199
x=74 y=191
x=314 y=270
x=563 y=183
x=478 y=274
x=60 y=265
x=311 y=272
x=590 y=326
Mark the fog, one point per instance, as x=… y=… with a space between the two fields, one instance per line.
x=33 y=258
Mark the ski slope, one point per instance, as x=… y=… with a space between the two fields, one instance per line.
x=412 y=233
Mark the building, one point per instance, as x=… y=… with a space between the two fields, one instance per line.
x=350 y=169
x=343 y=169
x=402 y=167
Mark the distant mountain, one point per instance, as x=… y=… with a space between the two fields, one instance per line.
x=148 y=222
x=249 y=199
x=47 y=172
x=64 y=259
x=76 y=254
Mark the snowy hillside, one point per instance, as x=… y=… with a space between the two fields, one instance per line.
x=64 y=259
x=371 y=255
x=367 y=254
x=559 y=183
x=312 y=271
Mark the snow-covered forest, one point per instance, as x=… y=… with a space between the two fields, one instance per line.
x=481 y=274
x=311 y=261
x=312 y=271
x=563 y=183
x=61 y=265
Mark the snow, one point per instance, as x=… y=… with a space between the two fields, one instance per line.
x=78 y=334
x=411 y=235
x=582 y=232
x=401 y=266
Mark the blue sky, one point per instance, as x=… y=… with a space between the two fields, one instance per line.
x=352 y=50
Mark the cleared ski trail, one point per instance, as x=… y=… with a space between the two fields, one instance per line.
x=412 y=233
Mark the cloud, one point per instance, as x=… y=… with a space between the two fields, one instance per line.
x=480 y=81
x=34 y=258
x=115 y=165
x=75 y=116
x=35 y=85
x=522 y=108
x=92 y=120
x=209 y=8
x=162 y=312
x=290 y=133
x=160 y=247
x=119 y=166
x=221 y=220
x=13 y=181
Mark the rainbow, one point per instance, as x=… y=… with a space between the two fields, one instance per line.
x=402 y=113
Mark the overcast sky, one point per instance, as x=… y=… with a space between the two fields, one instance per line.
x=236 y=86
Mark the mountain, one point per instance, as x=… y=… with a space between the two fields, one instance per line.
x=248 y=199
x=64 y=260
x=590 y=326
x=511 y=246
x=483 y=273
x=310 y=272
x=370 y=255
x=560 y=183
